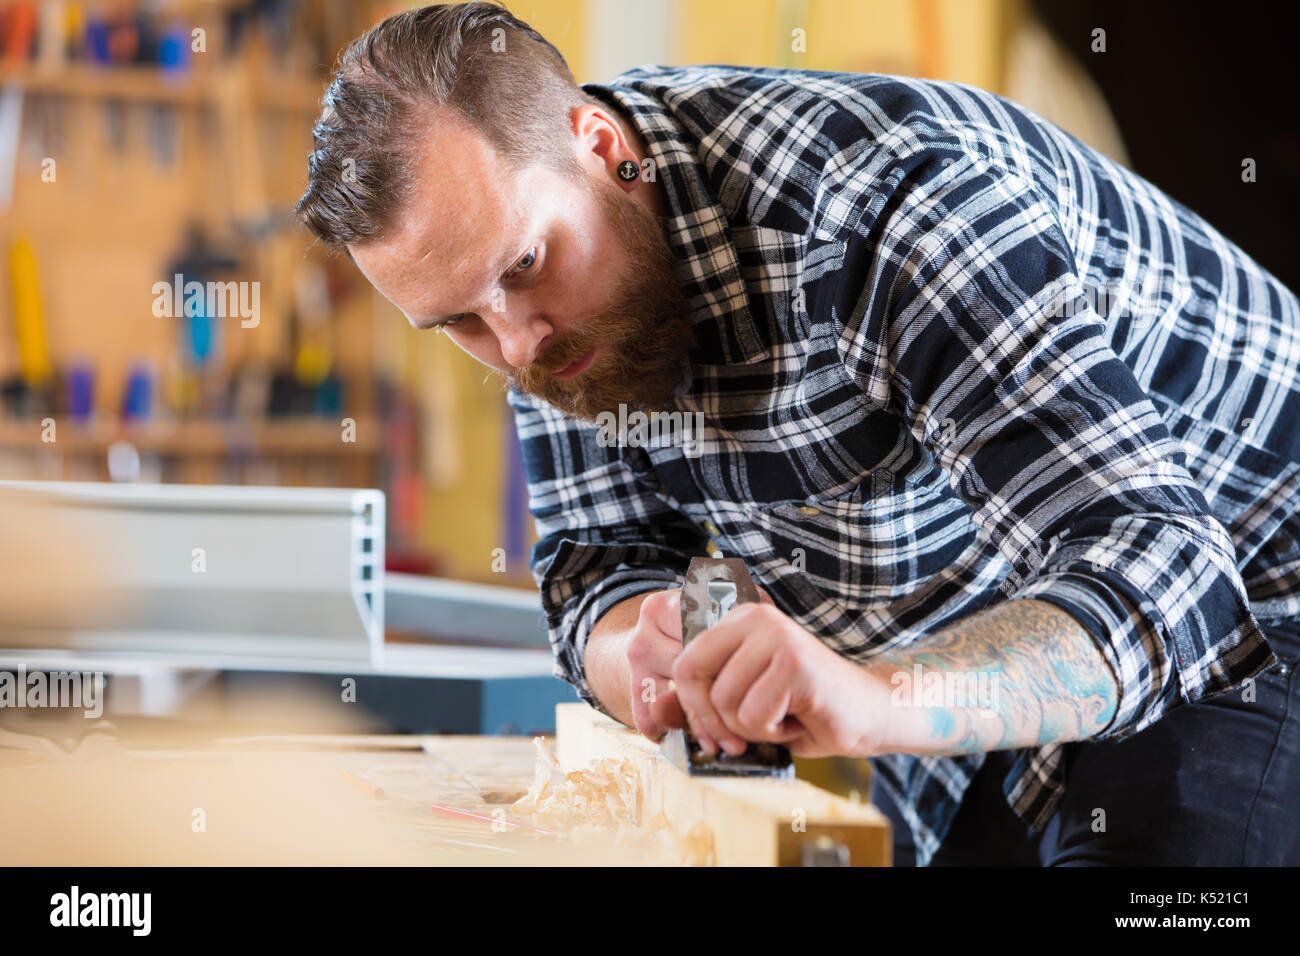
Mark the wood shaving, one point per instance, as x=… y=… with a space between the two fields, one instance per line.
x=602 y=795
x=588 y=804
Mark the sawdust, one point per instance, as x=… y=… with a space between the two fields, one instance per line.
x=598 y=804
x=601 y=795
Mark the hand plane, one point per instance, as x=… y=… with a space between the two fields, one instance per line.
x=713 y=586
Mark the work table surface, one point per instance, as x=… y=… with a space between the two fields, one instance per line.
x=301 y=800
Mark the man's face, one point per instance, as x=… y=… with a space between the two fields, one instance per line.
x=565 y=287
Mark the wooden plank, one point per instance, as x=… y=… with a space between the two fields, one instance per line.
x=750 y=822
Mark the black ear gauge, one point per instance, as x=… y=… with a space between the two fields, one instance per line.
x=628 y=170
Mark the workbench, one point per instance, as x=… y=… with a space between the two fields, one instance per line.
x=110 y=799
x=272 y=804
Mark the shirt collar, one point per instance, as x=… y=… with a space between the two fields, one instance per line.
x=707 y=264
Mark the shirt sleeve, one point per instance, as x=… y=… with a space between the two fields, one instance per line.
x=605 y=533
x=975 y=325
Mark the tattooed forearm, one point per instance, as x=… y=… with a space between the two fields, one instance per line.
x=1021 y=674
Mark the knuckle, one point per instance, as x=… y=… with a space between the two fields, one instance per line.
x=649 y=610
x=658 y=603
x=749 y=717
x=636 y=650
x=682 y=670
x=785 y=658
x=654 y=601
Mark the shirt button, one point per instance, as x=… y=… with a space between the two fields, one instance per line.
x=1283 y=670
x=810 y=510
x=711 y=528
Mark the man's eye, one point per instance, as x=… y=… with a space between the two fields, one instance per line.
x=526 y=263
x=448 y=321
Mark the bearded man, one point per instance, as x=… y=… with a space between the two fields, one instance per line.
x=978 y=402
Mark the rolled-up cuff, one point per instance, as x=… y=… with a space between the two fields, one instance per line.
x=1157 y=667
x=579 y=586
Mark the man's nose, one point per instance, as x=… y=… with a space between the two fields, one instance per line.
x=520 y=336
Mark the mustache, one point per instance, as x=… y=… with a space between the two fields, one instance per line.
x=563 y=354
x=612 y=329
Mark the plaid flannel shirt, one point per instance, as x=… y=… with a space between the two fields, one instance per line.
x=947 y=356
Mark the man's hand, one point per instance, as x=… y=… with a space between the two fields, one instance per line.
x=758 y=676
x=652 y=650
x=655 y=644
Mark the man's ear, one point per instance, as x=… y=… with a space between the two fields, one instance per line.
x=599 y=140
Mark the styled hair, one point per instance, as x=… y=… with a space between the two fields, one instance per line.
x=398 y=81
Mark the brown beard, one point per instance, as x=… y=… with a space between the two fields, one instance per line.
x=645 y=335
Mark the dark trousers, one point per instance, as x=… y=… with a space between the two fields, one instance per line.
x=1215 y=783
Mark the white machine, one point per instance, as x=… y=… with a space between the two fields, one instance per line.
x=248 y=578
x=206 y=570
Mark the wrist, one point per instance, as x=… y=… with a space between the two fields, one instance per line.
x=605 y=666
x=873 y=694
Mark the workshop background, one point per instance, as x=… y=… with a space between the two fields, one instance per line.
x=142 y=141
